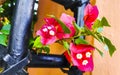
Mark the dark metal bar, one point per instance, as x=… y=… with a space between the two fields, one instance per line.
x=79 y=14
x=3 y=52
x=48 y=61
x=17 y=68
x=21 y=25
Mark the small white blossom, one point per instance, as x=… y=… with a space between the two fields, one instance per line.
x=85 y=62
x=49 y=27
x=79 y=56
x=88 y=54
x=52 y=32
x=45 y=29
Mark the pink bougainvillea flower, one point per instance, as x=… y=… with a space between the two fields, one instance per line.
x=68 y=57
x=81 y=56
x=90 y=15
x=68 y=21
x=47 y=34
x=51 y=21
x=52 y=30
x=59 y=30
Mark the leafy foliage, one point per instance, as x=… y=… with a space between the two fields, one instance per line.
x=4 y=31
x=5 y=16
x=97 y=28
x=102 y=39
x=3 y=39
x=80 y=41
x=7 y=8
x=39 y=47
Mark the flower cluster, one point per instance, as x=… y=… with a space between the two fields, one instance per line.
x=78 y=50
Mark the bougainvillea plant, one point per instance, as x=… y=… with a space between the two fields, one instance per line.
x=78 y=50
x=67 y=33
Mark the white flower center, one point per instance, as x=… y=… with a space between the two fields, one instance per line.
x=79 y=56
x=52 y=32
x=85 y=62
x=88 y=54
x=45 y=29
x=49 y=27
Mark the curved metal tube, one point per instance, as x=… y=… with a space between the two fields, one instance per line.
x=48 y=61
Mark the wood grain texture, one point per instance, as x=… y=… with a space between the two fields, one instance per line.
x=109 y=65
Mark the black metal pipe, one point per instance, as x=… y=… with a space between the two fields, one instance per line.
x=3 y=52
x=79 y=13
x=21 y=25
x=20 y=30
x=48 y=61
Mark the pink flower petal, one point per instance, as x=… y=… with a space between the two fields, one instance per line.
x=46 y=41
x=51 y=21
x=82 y=57
x=68 y=20
x=80 y=48
x=47 y=34
x=90 y=15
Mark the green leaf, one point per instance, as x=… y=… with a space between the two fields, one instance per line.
x=37 y=43
x=108 y=44
x=31 y=42
x=46 y=49
x=3 y=39
x=100 y=37
x=96 y=24
x=100 y=52
x=77 y=28
x=88 y=32
x=111 y=47
x=64 y=27
x=6 y=29
x=66 y=45
x=97 y=27
x=80 y=41
x=1 y=10
x=104 y=22
x=39 y=50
